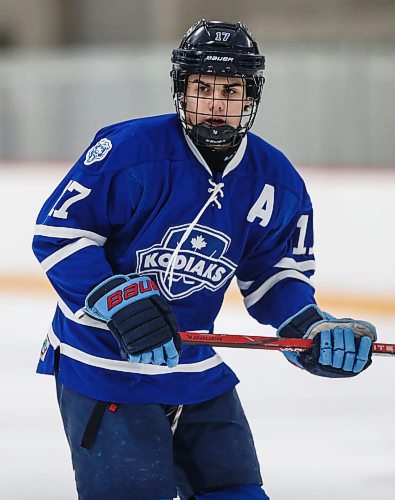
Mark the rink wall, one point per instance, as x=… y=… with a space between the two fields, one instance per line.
x=322 y=103
x=354 y=228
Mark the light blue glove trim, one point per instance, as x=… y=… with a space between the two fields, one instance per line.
x=326 y=348
x=166 y=353
x=100 y=309
x=362 y=355
x=338 y=347
x=171 y=354
x=134 y=358
x=158 y=356
x=146 y=357
x=349 y=350
x=293 y=357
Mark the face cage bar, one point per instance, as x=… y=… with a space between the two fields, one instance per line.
x=251 y=95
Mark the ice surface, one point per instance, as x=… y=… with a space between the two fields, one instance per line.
x=316 y=438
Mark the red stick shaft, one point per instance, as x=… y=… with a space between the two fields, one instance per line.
x=268 y=343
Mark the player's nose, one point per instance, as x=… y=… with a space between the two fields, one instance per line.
x=216 y=104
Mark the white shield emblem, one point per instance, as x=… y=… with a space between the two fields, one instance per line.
x=97 y=152
x=201 y=262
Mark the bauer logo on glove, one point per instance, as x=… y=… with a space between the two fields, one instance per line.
x=139 y=318
x=134 y=291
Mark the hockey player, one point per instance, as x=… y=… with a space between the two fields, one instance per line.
x=140 y=241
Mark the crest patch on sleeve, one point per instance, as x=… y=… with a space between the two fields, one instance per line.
x=98 y=152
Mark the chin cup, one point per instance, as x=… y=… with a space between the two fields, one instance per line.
x=207 y=135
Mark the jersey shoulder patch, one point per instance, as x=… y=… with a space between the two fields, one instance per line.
x=98 y=152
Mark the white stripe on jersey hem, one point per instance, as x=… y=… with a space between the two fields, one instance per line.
x=253 y=298
x=65 y=252
x=125 y=366
x=289 y=263
x=68 y=233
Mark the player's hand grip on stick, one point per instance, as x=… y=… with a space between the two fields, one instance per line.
x=341 y=347
x=139 y=318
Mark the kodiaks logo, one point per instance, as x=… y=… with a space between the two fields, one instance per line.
x=201 y=261
x=97 y=152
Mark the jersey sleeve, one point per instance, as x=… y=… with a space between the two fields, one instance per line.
x=275 y=278
x=90 y=204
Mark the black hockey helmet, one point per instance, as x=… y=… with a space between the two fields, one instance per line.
x=218 y=49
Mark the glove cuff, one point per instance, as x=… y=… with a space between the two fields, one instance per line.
x=298 y=325
x=310 y=321
x=116 y=292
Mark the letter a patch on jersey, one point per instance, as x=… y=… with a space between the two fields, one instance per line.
x=98 y=152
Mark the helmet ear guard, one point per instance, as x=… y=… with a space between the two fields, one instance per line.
x=218 y=49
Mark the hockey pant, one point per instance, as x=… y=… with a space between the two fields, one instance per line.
x=151 y=451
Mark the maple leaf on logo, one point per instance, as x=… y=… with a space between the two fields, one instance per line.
x=198 y=243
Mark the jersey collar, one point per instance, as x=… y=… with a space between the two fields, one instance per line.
x=234 y=162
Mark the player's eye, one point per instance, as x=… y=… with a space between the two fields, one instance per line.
x=202 y=87
x=229 y=91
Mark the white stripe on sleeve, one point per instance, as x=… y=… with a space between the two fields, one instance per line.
x=68 y=233
x=66 y=251
x=253 y=298
x=289 y=263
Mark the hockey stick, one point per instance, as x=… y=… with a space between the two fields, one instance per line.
x=269 y=343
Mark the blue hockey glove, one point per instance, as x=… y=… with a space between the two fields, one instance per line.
x=341 y=347
x=139 y=318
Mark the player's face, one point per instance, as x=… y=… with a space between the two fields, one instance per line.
x=215 y=100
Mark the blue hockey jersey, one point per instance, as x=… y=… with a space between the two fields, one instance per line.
x=141 y=199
